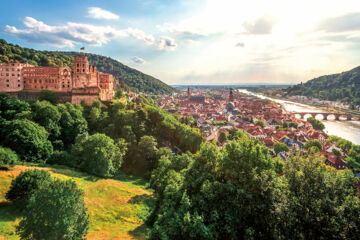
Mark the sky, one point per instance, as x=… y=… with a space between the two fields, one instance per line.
x=197 y=41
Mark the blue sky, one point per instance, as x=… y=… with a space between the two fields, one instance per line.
x=197 y=41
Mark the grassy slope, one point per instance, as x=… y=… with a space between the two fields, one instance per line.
x=116 y=208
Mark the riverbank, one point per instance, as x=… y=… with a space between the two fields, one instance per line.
x=349 y=130
x=327 y=109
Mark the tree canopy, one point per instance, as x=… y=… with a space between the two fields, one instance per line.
x=57 y=212
x=28 y=139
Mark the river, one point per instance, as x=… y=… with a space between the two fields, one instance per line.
x=349 y=130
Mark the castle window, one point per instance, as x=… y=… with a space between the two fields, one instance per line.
x=63 y=86
x=77 y=70
x=77 y=65
x=18 y=85
x=7 y=74
x=13 y=74
x=35 y=81
x=7 y=85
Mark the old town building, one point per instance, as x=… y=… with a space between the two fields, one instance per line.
x=81 y=83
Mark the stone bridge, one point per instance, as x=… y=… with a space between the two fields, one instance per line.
x=337 y=116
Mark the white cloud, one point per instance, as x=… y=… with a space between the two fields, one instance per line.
x=167 y=44
x=98 y=13
x=262 y=25
x=138 y=60
x=139 y=34
x=71 y=33
x=240 y=44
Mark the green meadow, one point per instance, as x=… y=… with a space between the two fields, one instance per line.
x=117 y=208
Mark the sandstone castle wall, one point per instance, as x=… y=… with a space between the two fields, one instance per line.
x=81 y=83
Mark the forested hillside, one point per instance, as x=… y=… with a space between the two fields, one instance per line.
x=122 y=73
x=343 y=86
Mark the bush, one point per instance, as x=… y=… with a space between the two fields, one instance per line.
x=57 y=212
x=8 y=156
x=24 y=185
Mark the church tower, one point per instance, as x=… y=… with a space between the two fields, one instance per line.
x=188 y=96
x=231 y=97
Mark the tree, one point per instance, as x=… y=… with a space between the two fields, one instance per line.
x=98 y=154
x=57 y=212
x=216 y=194
x=313 y=143
x=72 y=123
x=119 y=93
x=259 y=123
x=280 y=147
x=48 y=116
x=27 y=183
x=316 y=124
x=322 y=211
x=28 y=140
x=8 y=156
x=11 y=107
x=147 y=146
x=222 y=137
x=47 y=95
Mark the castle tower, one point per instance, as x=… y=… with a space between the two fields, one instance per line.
x=231 y=97
x=188 y=96
x=80 y=71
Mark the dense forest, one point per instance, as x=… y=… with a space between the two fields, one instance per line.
x=122 y=73
x=343 y=87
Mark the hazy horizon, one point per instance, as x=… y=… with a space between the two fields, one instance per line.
x=198 y=42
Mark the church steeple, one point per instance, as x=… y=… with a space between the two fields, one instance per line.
x=231 y=97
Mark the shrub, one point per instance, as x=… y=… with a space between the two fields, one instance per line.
x=8 y=156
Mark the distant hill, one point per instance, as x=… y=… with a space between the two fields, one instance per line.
x=343 y=86
x=122 y=73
